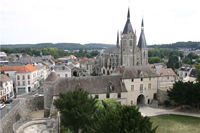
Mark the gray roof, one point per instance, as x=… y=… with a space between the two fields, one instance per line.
x=114 y=50
x=60 y=67
x=193 y=73
x=128 y=27
x=131 y=72
x=39 y=66
x=94 y=85
x=142 y=44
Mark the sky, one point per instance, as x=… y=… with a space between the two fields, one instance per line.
x=97 y=21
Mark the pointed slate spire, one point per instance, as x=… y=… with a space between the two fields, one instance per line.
x=142 y=41
x=117 y=39
x=128 y=27
x=128 y=16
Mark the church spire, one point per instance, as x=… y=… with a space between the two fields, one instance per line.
x=142 y=41
x=117 y=39
x=128 y=16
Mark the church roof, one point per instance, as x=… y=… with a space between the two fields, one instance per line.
x=142 y=41
x=131 y=72
x=91 y=84
x=114 y=50
x=128 y=27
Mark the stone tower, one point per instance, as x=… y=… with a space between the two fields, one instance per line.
x=48 y=92
x=128 y=44
x=142 y=45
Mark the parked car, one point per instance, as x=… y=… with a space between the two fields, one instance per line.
x=2 y=106
x=8 y=101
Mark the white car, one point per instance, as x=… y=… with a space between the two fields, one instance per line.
x=2 y=106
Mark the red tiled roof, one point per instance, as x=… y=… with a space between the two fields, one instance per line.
x=19 y=69
x=84 y=58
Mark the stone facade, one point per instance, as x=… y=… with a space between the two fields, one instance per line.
x=126 y=52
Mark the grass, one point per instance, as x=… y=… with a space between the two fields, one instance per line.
x=176 y=124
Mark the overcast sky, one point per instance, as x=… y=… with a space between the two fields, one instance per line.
x=97 y=21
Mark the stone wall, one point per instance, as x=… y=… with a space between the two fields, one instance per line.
x=20 y=111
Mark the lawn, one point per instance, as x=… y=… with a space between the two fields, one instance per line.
x=176 y=124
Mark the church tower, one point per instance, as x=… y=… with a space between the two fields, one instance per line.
x=142 y=45
x=128 y=44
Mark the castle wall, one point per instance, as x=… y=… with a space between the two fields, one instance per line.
x=21 y=110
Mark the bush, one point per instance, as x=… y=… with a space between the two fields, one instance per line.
x=166 y=102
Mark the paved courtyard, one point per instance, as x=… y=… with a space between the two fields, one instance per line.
x=149 y=111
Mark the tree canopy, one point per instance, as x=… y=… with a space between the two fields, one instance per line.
x=77 y=108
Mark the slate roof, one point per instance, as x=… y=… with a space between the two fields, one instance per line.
x=131 y=72
x=94 y=85
x=128 y=27
x=60 y=67
x=142 y=44
x=166 y=72
x=193 y=73
x=114 y=50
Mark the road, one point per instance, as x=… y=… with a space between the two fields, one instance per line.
x=14 y=103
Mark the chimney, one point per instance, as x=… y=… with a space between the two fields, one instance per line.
x=37 y=62
x=3 y=72
x=51 y=68
x=65 y=64
x=63 y=67
x=33 y=64
x=1 y=65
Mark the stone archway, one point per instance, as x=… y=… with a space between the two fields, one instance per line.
x=140 y=100
x=75 y=73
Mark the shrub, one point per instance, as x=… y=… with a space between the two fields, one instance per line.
x=166 y=102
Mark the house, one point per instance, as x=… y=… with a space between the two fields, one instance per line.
x=166 y=80
x=25 y=77
x=6 y=88
x=62 y=70
x=191 y=77
x=184 y=70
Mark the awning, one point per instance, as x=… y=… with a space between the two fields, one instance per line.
x=2 y=97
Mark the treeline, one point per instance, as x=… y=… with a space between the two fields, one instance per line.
x=56 y=53
x=65 y=46
x=189 y=44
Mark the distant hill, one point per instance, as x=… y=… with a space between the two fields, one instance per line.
x=189 y=44
x=92 y=46
x=65 y=46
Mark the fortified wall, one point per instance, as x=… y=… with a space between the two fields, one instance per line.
x=21 y=110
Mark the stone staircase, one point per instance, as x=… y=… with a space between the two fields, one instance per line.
x=154 y=104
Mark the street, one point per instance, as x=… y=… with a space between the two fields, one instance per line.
x=14 y=103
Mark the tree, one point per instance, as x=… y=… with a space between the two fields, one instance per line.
x=178 y=92
x=197 y=69
x=123 y=119
x=77 y=108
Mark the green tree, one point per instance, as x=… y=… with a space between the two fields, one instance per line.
x=123 y=119
x=197 y=69
x=153 y=60
x=77 y=108
x=178 y=92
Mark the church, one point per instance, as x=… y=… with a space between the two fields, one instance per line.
x=125 y=53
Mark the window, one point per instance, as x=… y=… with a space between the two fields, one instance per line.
x=23 y=77
x=130 y=42
x=7 y=74
x=141 y=79
x=18 y=78
x=108 y=95
x=149 y=86
x=132 y=87
x=28 y=76
x=97 y=96
x=23 y=82
x=65 y=75
x=18 y=83
x=132 y=80
x=141 y=88
x=149 y=79
x=58 y=75
x=167 y=77
x=28 y=82
x=119 y=95
x=131 y=102
x=185 y=74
